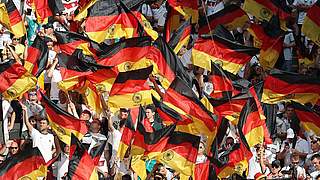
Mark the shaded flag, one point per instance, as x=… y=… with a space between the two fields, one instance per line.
x=11 y=19
x=14 y=79
x=225 y=83
x=62 y=123
x=187 y=8
x=309 y=119
x=201 y=171
x=131 y=89
x=231 y=17
x=264 y=10
x=280 y=86
x=172 y=23
x=28 y=164
x=37 y=58
x=252 y=125
x=269 y=38
x=181 y=37
x=181 y=152
x=311 y=24
x=182 y=99
x=42 y=10
x=229 y=55
x=127 y=137
x=70 y=41
x=97 y=151
x=81 y=165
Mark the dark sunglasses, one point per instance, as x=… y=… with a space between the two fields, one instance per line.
x=13 y=147
x=314 y=142
x=15 y=39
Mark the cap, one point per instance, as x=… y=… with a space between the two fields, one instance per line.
x=290 y=133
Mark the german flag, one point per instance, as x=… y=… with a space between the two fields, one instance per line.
x=311 y=24
x=234 y=160
x=187 y=8
x=182 y=99
x=231 y=17
x=181 y=37
x=97 y=151
x=173 y=22
x=181 y=152
x=81 y=165
x=130 y=89
x=42 y=10
x=150 y=144
x=201 y=171
x=15 y=80
x=264 y=10
x=37 y=58
x=82 y=11
x=11 y=18
x=309 y=119
x=229 y=55
x=230 y=107
x=62 y=123
x=280 y=86
x=225 y=83
x=127 y=137
x=28 y=164
x=70 y=41
x=269 y=38
x=252 y=125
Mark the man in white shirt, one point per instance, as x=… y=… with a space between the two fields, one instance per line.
x=316 y=162
x=288 y=44
x=41 y=138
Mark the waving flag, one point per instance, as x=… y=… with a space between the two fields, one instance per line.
x=37 y=58
x=187 y=8
x=15 y=80
x=311 y=24
x=231 y=17
x=181 y=37
x=43 y=11
x=127 y=137
x=11 y=19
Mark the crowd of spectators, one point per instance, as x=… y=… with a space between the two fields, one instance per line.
x=294 y=154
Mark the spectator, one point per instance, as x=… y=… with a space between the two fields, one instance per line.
x=151 y=124
x=275 y=170
x=288 y=44
x=19 y=48
x=201 y=157
x=2 y=159
x=316 y=162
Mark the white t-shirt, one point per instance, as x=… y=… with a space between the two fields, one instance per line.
x=62 y=165
x=287 y=52
x=146 y=10
x=6 y=110
x=215 y=9
x=54 y=91
x=302 y=15
x=44 y=142
x=160 y=15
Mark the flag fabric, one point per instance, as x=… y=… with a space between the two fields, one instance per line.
x=264 y=10
x=182 y=99
x=97 y=151
x=28 y=164
x=231 y=17
x=201 y=170
x=62 y=123
x=225 y=84
x=42 y=10
x=280 y=86
x=81 y=165
x=229 y=55
x=150 y=144
x=172 y=23
x=269 y=38
x=181 y=152
x=11 y=19
x=252 y=125
x=70 y=41
x=37 y=58
x=127 y=136
x=309 y=119
x=14 y=79
x=181 y=37
x=311 y=24
x=187 y=8
x=130 y=89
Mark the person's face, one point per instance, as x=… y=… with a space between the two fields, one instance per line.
x=14 y=148
x=94 y=127
x=289 y=112
x=49 y=31
x=316 y=163
x=149 y=114
x=295 y=161
x=33 y=96
x=201 y=149
x=43 y=125
x=123 y=115
x=275 y=169
x=229 y=143
x=163 y=171
x=66 y=149
x=84 y=116
x=62 y=97
x=304 y=71
x=315 y=147
x=15 y=41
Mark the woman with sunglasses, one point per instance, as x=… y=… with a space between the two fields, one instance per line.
x=275 y=170
x=12 y=147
